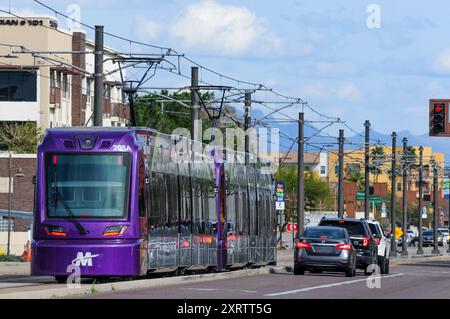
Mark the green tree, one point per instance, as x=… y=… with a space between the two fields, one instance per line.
x=317 y=192
x=356 y=177
x=378 y=158
x=21 y=138
x=166 y=111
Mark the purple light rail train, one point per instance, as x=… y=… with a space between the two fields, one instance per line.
x=115 y=203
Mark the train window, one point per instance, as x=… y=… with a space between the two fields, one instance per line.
x=84 y=183
x=185 y=209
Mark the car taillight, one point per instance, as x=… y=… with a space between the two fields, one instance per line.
x=366 y=241
x=114 y=231
x=344 y=247
x=303 y=245
x=377 y=240
x=56 y=231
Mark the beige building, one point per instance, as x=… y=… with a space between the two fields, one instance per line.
x=46 y=75
x=354 y=163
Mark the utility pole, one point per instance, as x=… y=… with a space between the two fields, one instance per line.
x=366 y=171
x=341 y=175
x=248 y=105
x=98 y=77
x=301 y=171
x=448 y=203
x=405 y=203
x=9 y=204
x=420 y=248
x=393 y=175
x=194 y=104
x=435 y=209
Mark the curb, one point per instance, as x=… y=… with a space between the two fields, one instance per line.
x=90 y=289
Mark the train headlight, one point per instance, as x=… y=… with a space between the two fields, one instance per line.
x=115 y=230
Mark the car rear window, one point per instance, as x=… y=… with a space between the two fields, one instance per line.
x=324 y=233
x=428 y=233
x=353 y=228
x=374 y=229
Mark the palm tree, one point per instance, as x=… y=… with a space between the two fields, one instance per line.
x=356 y=177
x=378 y=158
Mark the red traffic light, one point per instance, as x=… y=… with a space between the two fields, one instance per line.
x=438 y=108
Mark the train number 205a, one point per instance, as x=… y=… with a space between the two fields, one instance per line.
x=121 y=148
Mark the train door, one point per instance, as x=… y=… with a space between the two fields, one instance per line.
x=143 y=191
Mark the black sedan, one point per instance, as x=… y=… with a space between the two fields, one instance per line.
x=325 y=249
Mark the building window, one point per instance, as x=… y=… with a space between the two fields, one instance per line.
x=58 y=79
x=323 y=170
x=52 y=79
x=399 y=187
x=65 y=86
x=88 y=90
x=18 y=86
x=4 y=224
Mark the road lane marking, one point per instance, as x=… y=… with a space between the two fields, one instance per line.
x=281 y=293
x=217 y=289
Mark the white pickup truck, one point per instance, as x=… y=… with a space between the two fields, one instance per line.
x=384 y=245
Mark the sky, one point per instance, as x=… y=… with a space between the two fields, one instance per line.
x=353 y=59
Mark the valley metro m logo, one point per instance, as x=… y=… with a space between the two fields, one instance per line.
x=84 y=260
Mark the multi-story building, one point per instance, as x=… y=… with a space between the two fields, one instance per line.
x=380 y=173
x=314 y=162
x=46 y=75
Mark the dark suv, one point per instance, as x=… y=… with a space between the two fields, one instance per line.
x=361 y=238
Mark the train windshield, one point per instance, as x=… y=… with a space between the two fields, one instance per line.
x=87 y=185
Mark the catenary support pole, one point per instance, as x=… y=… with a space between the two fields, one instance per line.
x=404 y=199
x=420 y=248
x=366 y=171
x=393 y=188
x=301 y=171
x=435 y=209
x=194 y=104
x=341 y=175
x=98 y=77
x=248 y=104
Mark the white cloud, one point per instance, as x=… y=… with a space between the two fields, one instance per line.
x=323 y=92
x=349 y=92
x=147 y=29
x=209 y=26
x=442 y=61
x=335 y=69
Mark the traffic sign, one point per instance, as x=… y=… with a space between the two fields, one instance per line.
x=398 y=232
x=424 y=212
x=279 y=206
x=383 y=210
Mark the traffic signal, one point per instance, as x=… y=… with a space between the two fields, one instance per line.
x=438 y=118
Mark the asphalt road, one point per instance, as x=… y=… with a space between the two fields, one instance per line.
x=420 y=280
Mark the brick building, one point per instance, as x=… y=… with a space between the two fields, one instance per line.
x=23 y=168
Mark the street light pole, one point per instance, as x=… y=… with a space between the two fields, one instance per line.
x=420 y=249
x=393 y=175
x=405 y=203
